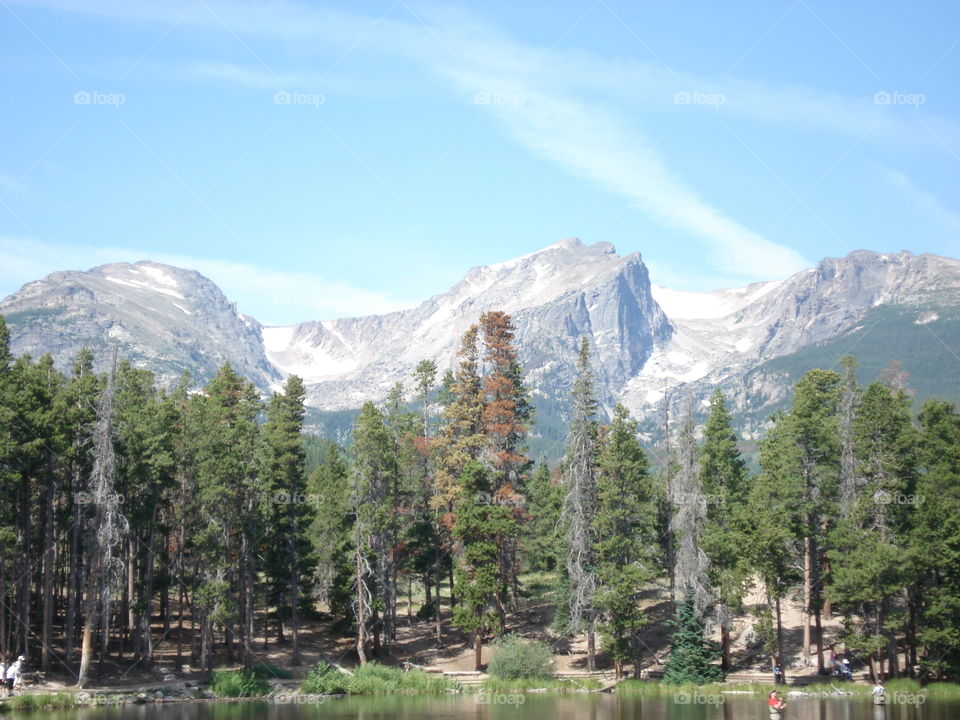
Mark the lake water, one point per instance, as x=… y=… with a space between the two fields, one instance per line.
x=524 y=707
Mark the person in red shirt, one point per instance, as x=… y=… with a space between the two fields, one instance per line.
x=776 y=703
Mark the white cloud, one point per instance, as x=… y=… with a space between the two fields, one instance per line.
x=595 y=141
x=273 y=297
x=924 y=200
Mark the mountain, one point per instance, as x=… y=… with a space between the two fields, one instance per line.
x=653 y=347
x=554 y=296
x=159 y=317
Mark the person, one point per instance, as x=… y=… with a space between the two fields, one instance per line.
x=777 y=674
x=879 y=693
x=13 y=675
x=776 y=704
x=845 y=672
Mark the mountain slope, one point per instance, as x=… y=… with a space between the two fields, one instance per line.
x=554 y=296
x=160 y=317
x=653 y=347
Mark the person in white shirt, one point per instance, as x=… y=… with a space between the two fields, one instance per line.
x=13 y=675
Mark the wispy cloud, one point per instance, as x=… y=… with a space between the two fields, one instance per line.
x=580 y=111
x=277 y=295
x=925 y=201
x=595 y=141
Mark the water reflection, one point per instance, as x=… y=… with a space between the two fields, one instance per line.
x=524 y=707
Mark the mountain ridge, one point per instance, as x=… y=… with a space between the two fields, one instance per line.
x=651 y=344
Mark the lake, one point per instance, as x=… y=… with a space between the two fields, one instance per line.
x=508 y=706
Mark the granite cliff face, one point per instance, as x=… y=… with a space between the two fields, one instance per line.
x=160 y=317
x=554 y=296
x=651 y=345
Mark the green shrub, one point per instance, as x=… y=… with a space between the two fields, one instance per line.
x=515 y=658
x=376 y=679
x=38 y=701
x=270 y=672
x=325 y=679
x=238 y=684
x=426 y=611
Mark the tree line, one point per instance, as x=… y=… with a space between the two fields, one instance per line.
x=140 y=519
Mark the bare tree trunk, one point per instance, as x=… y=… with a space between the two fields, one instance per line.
x=591 y=646
x=783 y=668
x=478 y=650
x=807 y=594
x=48 y=570
x=294 y=603
x=724 y=646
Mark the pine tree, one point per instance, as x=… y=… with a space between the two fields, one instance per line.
x=692 y=659
x=580 y=504
x=372 y=477
x=688 y=522
x=506 y=417
x=868 y=569
x=479 y=586
x=934 y=555
x=543 y=547
x=289 y=509
x=775 y=529
x=723 y=476
x=625 y=532
x=107 y=526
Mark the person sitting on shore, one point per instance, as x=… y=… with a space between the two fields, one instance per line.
x=776 y=703
x=845 y=672
x=13 y=675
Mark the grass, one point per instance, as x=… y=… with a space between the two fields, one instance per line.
x=38 y=701
x=238 y=684
x=375 y=679
x=502 y=685
x=653 y=687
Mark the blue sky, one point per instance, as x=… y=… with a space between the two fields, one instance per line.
x=326 y=159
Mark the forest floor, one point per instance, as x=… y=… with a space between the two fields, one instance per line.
x=416 y=643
